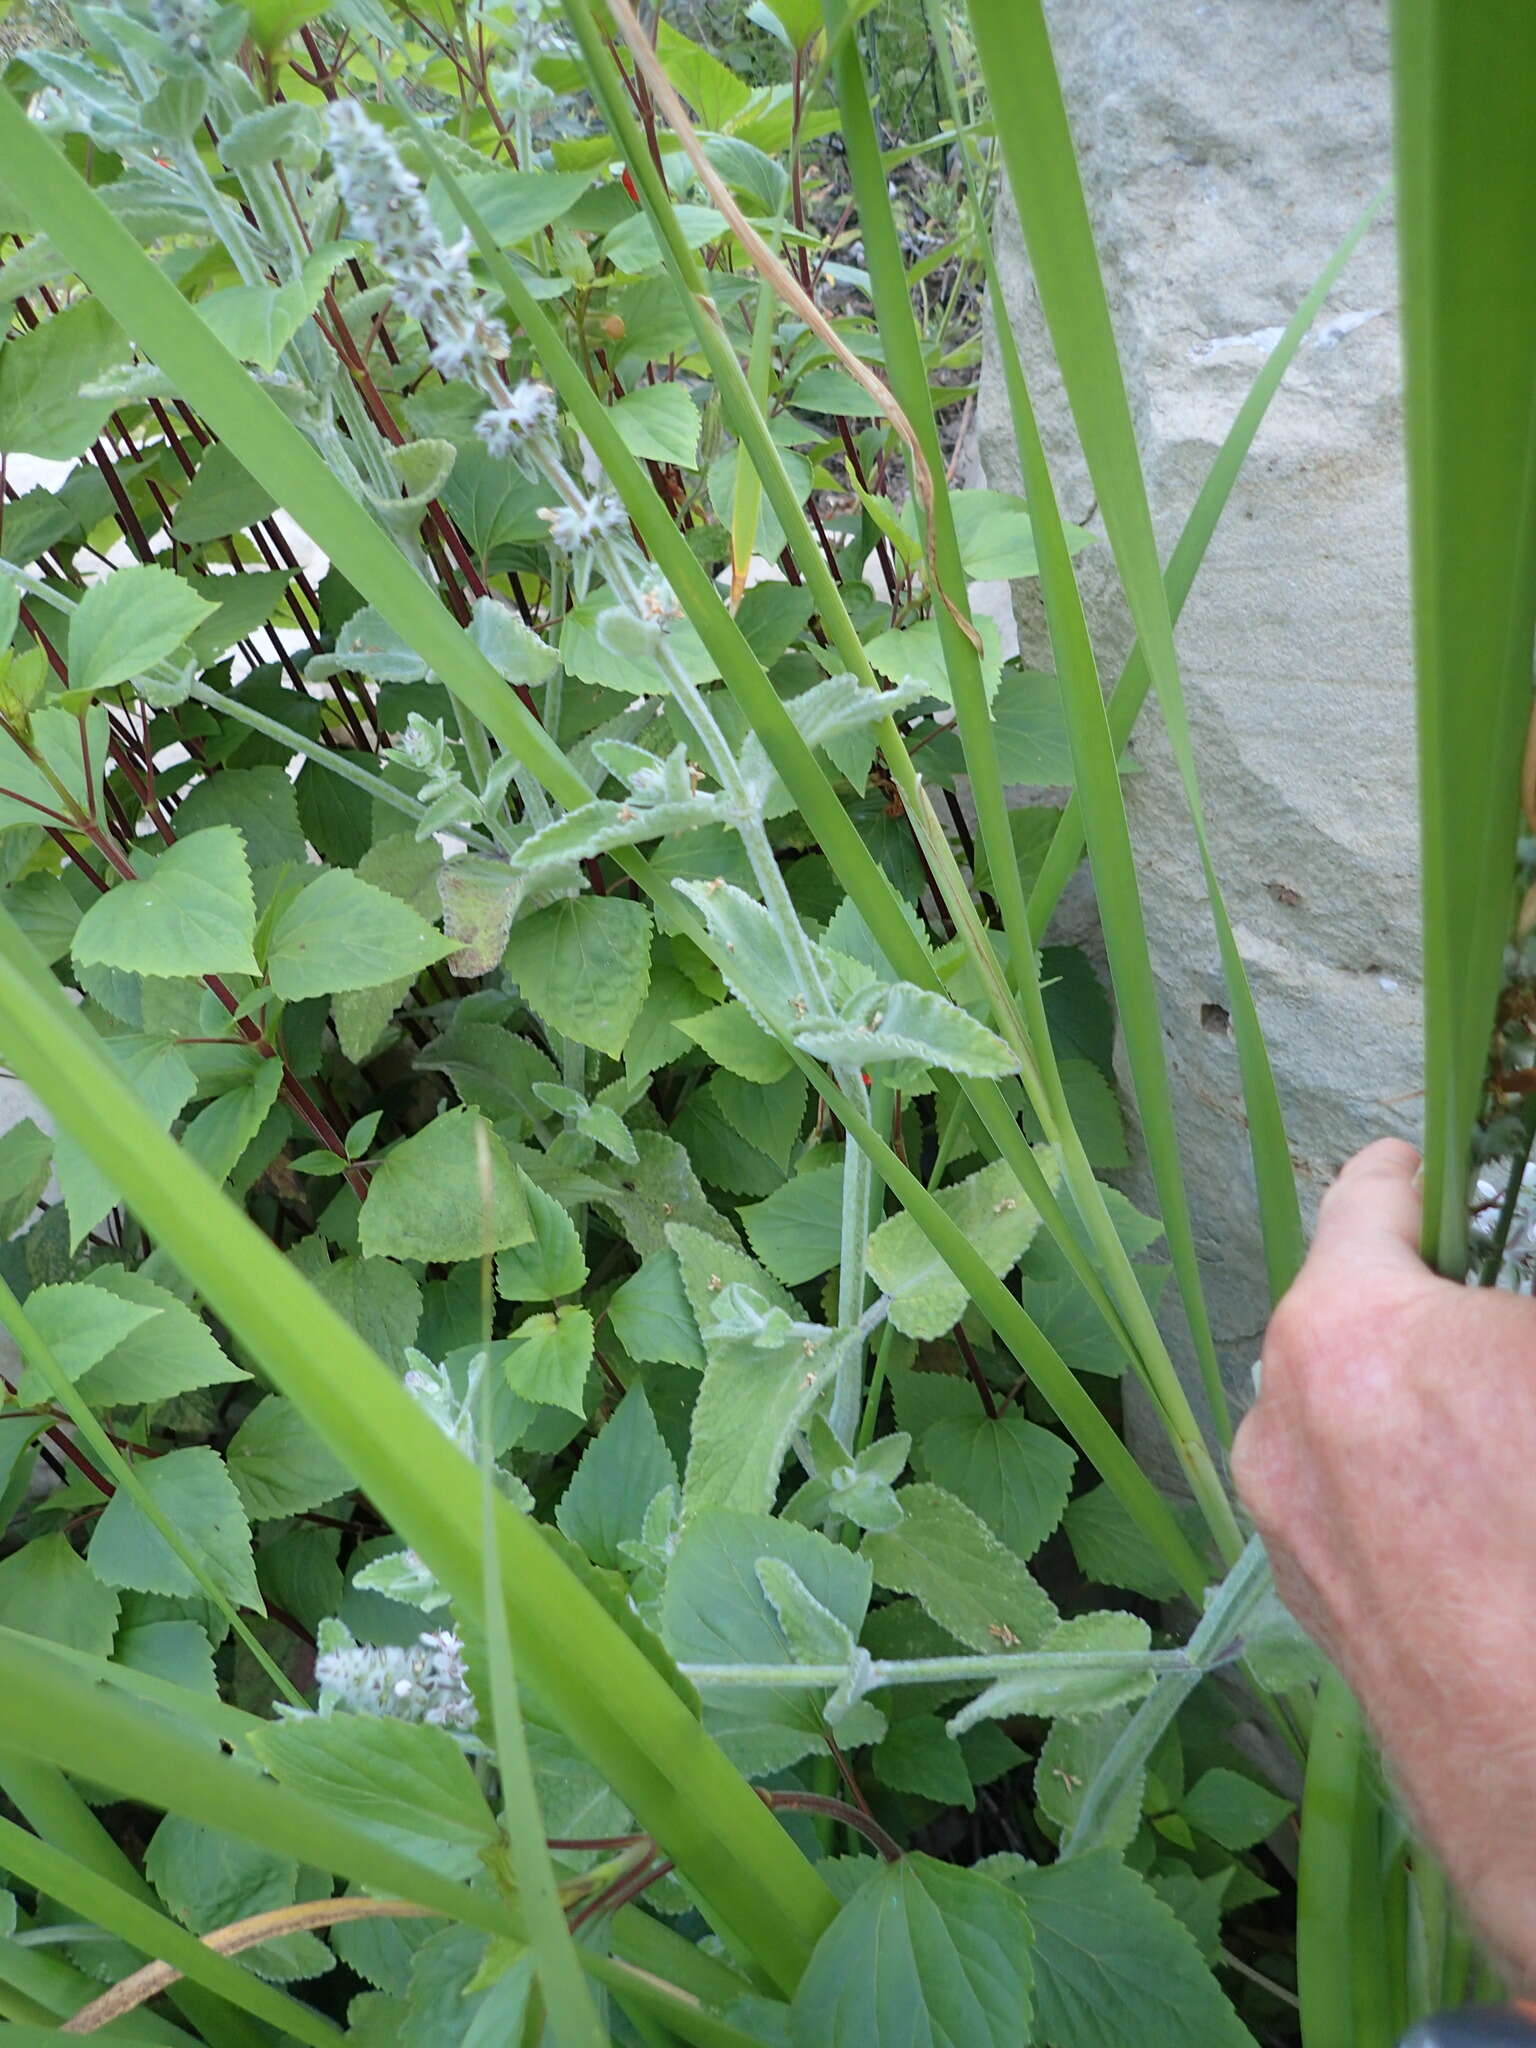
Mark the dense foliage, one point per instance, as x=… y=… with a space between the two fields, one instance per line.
x=508 y=777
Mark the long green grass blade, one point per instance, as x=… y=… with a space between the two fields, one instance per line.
x=907 y=372
x=54 y=1810
x=1466 y=171
x=566 y=1996
x=1327 y=1875
x=1015 y=52
x=142 y=1752
x=1035 y=1354
x=94 y=1899
x=1097 y=788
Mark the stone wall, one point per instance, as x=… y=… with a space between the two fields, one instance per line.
x=1226 y=150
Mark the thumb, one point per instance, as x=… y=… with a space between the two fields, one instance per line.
x=1372 y=1212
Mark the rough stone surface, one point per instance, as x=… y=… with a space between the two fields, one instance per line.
x=1226 y=150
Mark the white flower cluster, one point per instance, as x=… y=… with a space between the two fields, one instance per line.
x=531 y=34
x=573 y=528
x=431 y=281
x=386 y=206
x=1517 y=1263
x=425 y=1681
x=516 y=416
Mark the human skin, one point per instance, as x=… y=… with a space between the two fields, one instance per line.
x=1390 y=1466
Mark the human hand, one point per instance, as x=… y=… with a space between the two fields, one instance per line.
x=1390 y=1465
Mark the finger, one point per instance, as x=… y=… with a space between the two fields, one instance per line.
x=1374 y=1209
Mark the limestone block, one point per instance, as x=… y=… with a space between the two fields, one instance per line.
x=1226 y=150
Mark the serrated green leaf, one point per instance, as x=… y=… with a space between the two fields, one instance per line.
x=222 y=497
x=659 y=423
x=731 y=1039
x=601 y=827
x=256 y=322
x=195 y=914
x=659 y=1189
x=797 y=1232
x=290 y=133
x=592 y=659
x=758 y=966
x=913 y=655
x=1096 y=1115
x=1015 y=1475
x=550 y=1357
x=919 y=1755
x=1072 y=1756
x=1232 y=1809
x=195 y=1493
x=340 y=932
x=584 y=966
x=162 y=1079
x=171 y=1352
x=922 y=1956
x=814 y=1633
x=517 y=204
x=514 y=650
x=426 y=1200
x=1112 y=1549
x=128 y=622
x=995 y=1214
x=279 y=1465
x=400 y=1776
x=378 y=1298
x=903 y=1022
x=208 y=1878
x=245 y=601
x=26 y=1160
x=48 y=1590
x=714 y=1611
x=80 y=1325
x=754 y=1395
x=41 y=374
x=947 y=1557
x=767 y=1116
x=1114 y=1968
x=621 y=1471
x=220 y=1132
x=550 y=1264
x=651 y=1317
x=177 y=1651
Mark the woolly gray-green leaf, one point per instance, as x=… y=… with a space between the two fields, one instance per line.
x=947 y=1557
x=995 y=1214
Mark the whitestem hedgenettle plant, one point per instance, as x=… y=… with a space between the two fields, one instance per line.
x=527 y=490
